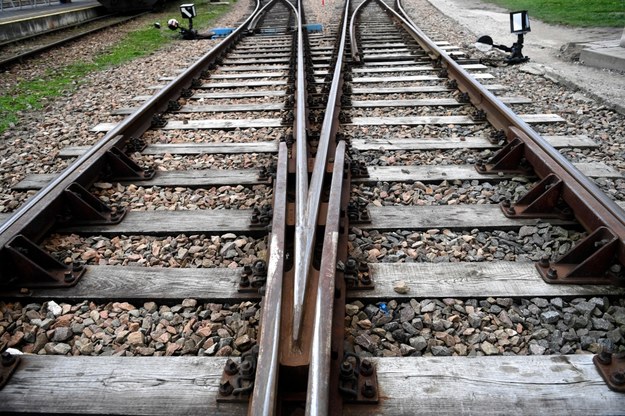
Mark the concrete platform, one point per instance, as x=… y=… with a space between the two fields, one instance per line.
x=16 y=23
x=608 y=54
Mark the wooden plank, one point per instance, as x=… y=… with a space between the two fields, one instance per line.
x=264 y=61
x=408 y=78
x=478 y=142
x=426 y=174
x=189 y=149
x=412 y=68
x=405 y=103
x=238 y=94
x=243 y=68
x=258 y=55
x=410 y=121
x=470 y=280
x=136 y=283
x=117 y=385
x=557 y=385
x=420 y=89
x=245 y=84
x=437 y=173
x=220 y=124
x=245 y=75
x=214 y=108
x=453 y=217
x=190 y=178
x=429 y=102
x=541 y=118
x=419 y=120
x=175 y=222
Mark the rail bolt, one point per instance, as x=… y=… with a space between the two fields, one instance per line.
x=604 y=357
x=347 y=370
x=552 y=273
x=231 y=368
x=225 y=388
x=618 y=378
x=368 y=389
x=247 y=369
x=366 y=368
x=7 y=359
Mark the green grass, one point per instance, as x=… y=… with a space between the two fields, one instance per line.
x=582 y=13
x=33 y=94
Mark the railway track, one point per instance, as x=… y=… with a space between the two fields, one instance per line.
x=20 y=49
x=339 y=222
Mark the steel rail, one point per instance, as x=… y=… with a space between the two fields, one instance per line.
x=590 y=205
x=264 y=395
x=318 y=393
x=303 y=237
x=353 y=44
x=317 y=400
x=37 y=216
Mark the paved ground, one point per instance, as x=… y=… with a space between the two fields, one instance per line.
x=543 y=46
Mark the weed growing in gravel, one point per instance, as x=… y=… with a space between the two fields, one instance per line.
x=31 y=95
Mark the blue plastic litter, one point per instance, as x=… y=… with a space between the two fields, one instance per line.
x=384 y=308
x=221 y=32
x=314 y=27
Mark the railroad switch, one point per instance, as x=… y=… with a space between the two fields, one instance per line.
x=358 y=380
x=612 y=368
x=8 y=367
x=237 y=380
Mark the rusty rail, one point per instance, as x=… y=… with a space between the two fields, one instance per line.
x=25 y=265
x=592 y=261
x=318 y=393
x=263 y=401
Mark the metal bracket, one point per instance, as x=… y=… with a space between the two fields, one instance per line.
x=358 y=380
x=357 y=275
x=510 y=159
x=358 y=213
x=237 y=380
x=158 y=121
x=542 y=201
x=612 y=368
x=84 y=208
x=32 y=267
x=120 y=167
x=253 y=277
x=261 y=217
x=358 y=169
x=8 y=367
x=589 y=262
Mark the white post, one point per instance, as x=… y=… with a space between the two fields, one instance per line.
x=623 y=39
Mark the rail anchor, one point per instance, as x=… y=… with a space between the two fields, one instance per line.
x=358 y=380
x=237 y=380
x=611 y=367
x=591 y=261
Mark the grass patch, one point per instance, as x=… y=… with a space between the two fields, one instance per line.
x=581 y=13
x=33 y=94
